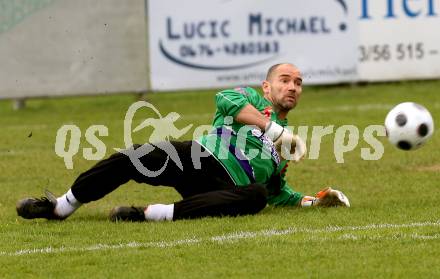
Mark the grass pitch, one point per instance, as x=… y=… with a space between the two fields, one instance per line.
x=392 y=229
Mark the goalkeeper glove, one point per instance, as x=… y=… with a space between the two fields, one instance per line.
x=288 y=145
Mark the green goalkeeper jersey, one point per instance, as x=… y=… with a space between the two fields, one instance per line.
x=244 y=151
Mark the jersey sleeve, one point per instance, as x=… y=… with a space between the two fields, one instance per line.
x=286 y=196
x=231 y=102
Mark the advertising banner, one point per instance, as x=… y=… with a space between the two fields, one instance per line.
x=399 y=40
x=209 y=44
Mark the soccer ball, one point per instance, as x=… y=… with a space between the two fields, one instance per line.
x=409 y=125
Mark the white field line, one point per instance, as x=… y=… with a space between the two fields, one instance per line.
x=239 y=235
x=361 y=107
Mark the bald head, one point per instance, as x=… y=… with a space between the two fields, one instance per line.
x=273 y=70
x=283 y=87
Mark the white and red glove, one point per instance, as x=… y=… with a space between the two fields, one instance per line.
x=289 y=146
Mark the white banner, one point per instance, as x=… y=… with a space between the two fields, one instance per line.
x=71 y=47
x=234 y=42
x=399 y=40
x=65 y=47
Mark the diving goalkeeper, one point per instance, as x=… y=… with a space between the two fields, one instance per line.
x=236 y=169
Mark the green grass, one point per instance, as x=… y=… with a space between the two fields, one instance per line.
x=400 y=189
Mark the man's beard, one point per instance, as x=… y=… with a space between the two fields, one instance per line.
x=287 y=107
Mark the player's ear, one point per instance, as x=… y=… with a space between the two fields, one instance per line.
x=266 y=87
